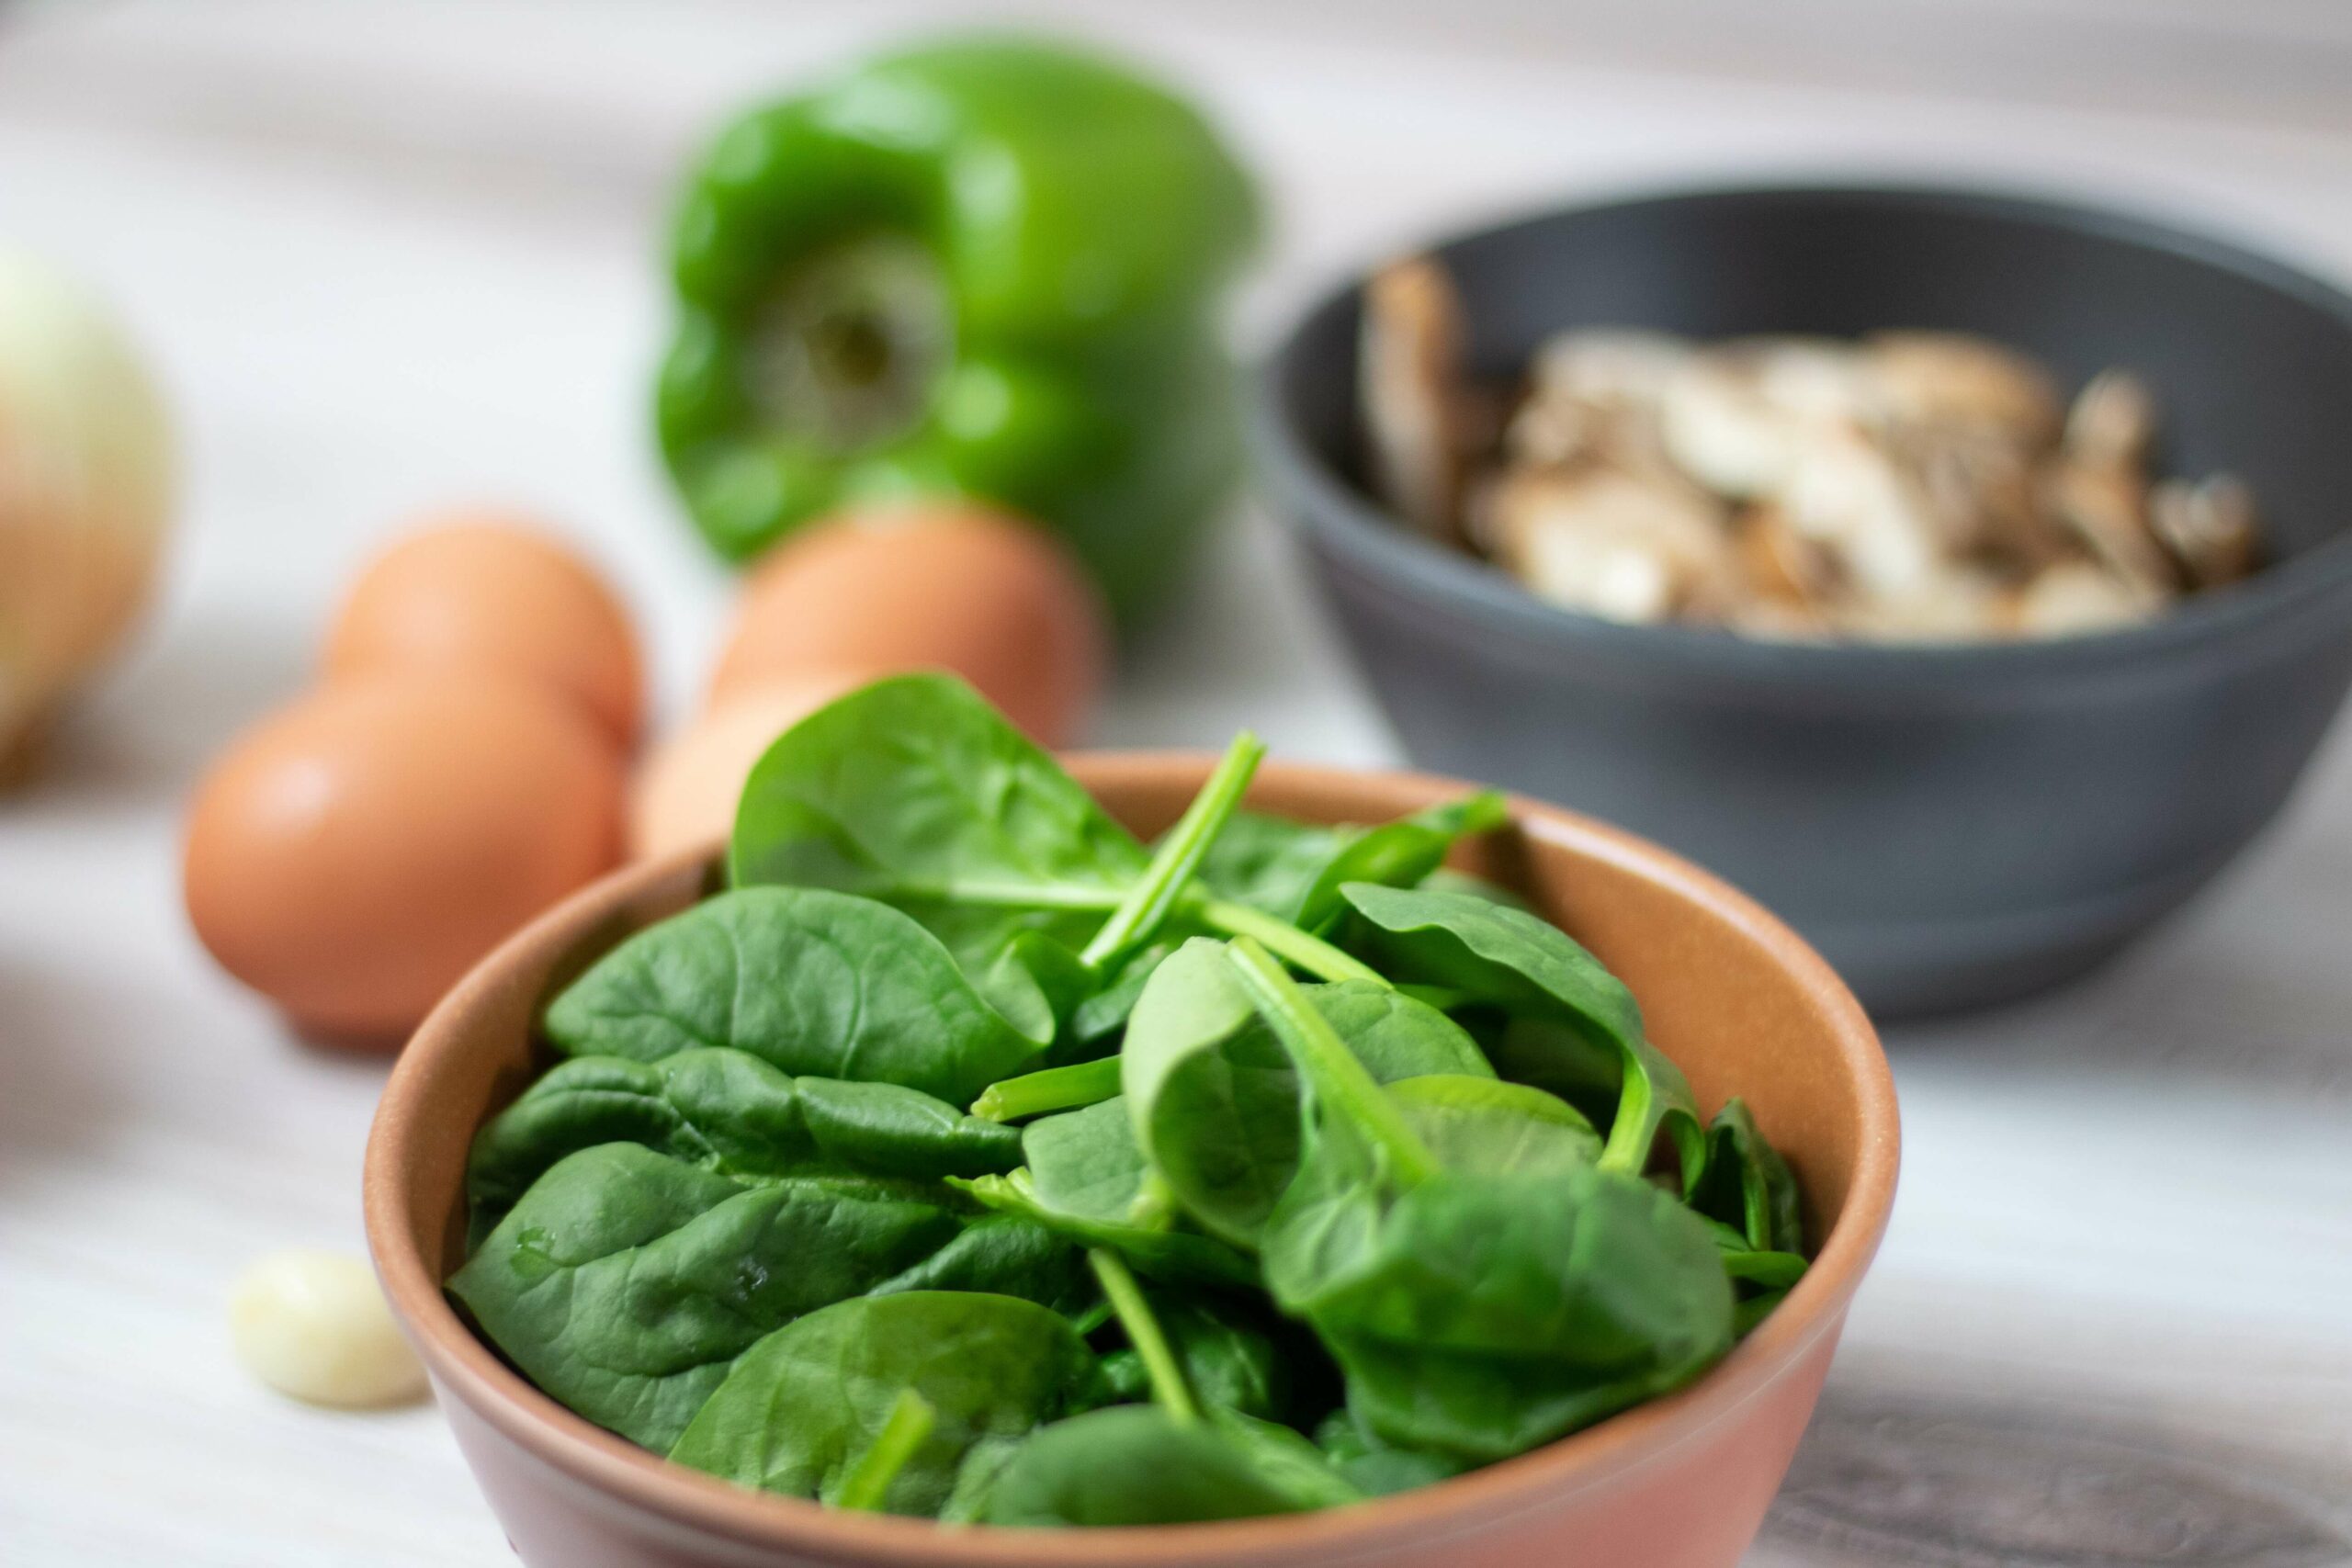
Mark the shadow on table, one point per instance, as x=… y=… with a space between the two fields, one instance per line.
x=146 y=731
x=58 y=1100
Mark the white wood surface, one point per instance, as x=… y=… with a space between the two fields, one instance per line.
x=385 y=256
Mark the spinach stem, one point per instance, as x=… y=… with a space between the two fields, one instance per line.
x=1312 y=953
x=903 y=1431
x=1178 y=856
x=1634 y=1130
x=1169 y=1389
x=1053 y=1089
x=1343 y=1084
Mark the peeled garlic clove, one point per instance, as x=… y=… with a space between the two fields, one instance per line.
x=1926 y=377
x=1613 y=545
x=2112 y=423
x=85 y=489
x=2076 y=597
x=314 y=1326
x=1411 y=380
x=2107 y=511
x=2210 y=528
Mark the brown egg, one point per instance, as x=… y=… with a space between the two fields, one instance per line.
x=945 y=586
x=352 y=855
x=487 y=591
x=684 y=792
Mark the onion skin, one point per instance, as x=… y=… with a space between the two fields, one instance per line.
x=85 y=492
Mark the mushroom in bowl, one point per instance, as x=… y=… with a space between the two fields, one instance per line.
x=1951 y=823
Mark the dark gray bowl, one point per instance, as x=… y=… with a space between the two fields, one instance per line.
x=1951 y=826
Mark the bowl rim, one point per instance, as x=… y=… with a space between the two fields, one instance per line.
x=466 y=1367
x=1313 y=499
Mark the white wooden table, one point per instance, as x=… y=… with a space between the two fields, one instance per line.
x=390 y=256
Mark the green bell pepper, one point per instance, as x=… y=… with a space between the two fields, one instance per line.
x=985 y=267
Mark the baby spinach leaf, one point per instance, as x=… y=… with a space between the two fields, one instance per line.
x=1527 y=965
x=1134 y=1464
x=1233 y=1356
x=1476 y=1311
x=1482 y=1316
x=1179 y=1256
x=819 y=984
x=1374 y=1468
x=1445 y=879
x=1295 y=871
x=1089 y=1183
x=731 y=1112
x=916 y=792
x=625 y=1283
x=803 y=1408
x=1085 y=1163
x=1486 y=1125
x=1746 y=1184
x=1213 y=1094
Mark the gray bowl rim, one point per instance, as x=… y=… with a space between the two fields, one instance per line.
x=1382 y=547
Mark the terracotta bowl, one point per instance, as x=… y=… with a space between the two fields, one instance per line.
x=1737 y=1000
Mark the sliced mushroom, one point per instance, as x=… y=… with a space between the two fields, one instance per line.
x=1951 y=603
x=1786 y=570
x=1927 y=378
x=2078 y=597
x=1849 y=495
x=1609 y=366
x=1412 y=386
x=1615 y=545
x=1979 y=489
x=1593 y=397
x=2107 y=511
x=2210 y=528
x=2113 y=422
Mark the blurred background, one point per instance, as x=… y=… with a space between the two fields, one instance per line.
x=382 y=256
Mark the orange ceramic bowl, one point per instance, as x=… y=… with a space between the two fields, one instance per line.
x=1730 y=992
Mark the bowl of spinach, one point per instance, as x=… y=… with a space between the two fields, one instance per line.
x=987 y=1157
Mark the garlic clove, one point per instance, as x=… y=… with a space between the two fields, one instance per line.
x=313 y=1325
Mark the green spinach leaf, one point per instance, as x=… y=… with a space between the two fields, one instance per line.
x=819 y=984
x=625 y=1283
x=1212 y=1095
x=916 y=792
x=802 y=1409
x=1527 y=965
x=1475 y=1313
x=1746 y=1184
x=1295 y=871
x=729 y=1111
x=1135 y=1464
